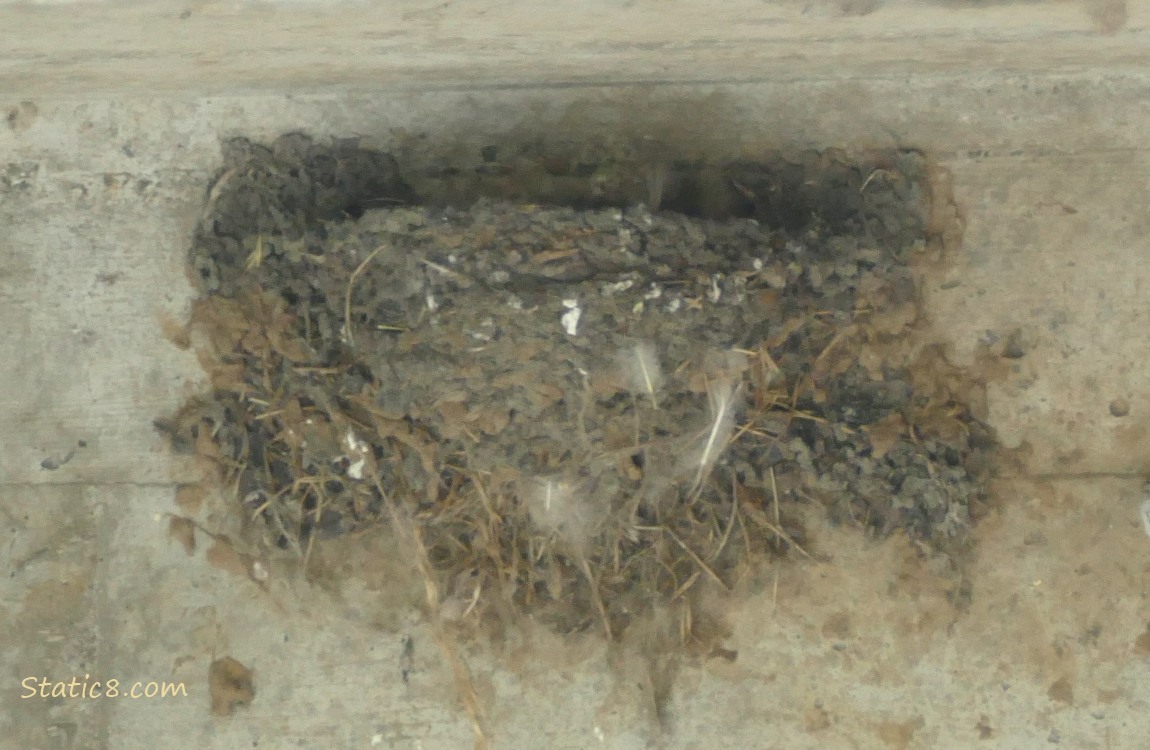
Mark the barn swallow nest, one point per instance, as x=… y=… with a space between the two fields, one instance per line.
x=585 y=413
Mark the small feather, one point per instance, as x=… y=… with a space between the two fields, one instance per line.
x=723 y=396
x=641 y=365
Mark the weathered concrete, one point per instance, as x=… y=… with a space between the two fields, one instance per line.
x=1039 y=111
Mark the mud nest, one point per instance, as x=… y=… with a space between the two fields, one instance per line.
x=582 y=413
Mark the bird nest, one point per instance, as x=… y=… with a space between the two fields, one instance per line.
x=580 y=412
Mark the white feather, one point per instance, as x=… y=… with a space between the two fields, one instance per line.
x=641 y=365
x=557 y=507
x=723 y=395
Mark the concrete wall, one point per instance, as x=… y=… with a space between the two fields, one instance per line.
x=1037 y=109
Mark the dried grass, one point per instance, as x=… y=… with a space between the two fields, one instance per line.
x=547 y=544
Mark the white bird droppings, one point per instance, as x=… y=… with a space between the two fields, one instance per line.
x=357 y=450
x=715 y=292
x=570 y=319
x=259 y=572
x=618 y=286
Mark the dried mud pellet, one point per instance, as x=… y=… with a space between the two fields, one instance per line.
x=230 y=685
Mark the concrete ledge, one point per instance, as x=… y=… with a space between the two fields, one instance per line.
x=48 y=49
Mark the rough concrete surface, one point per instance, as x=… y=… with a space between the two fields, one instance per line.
x=102 y=180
